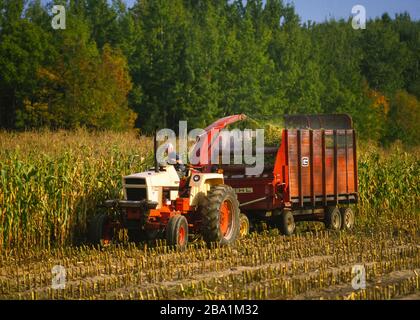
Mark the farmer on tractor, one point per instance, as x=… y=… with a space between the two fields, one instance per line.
x=175 y=160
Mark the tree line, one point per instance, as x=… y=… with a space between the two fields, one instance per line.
x=162 y=61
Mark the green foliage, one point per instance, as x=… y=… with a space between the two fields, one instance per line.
x=199 y=61
x=52 y=182
x=405 y=118
x=389 y=180
x=24 y=48
x=60 y=78
x=386 y=57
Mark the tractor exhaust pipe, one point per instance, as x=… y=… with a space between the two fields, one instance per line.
x=155 y=146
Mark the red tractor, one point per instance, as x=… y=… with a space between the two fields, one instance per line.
x=159 y=201
x=313 y=177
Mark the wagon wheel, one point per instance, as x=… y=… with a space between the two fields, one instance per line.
x=348 y=218
x=221 y=217
x=243 y=225
x=101 y=230
x=332 y=218
x=177 y=232
x=285 y=222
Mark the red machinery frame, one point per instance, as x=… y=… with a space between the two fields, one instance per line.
x=313 y=168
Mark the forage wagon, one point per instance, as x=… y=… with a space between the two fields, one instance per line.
x=313 y=177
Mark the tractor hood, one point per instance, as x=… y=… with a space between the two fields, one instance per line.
x=149 y=185
x=166 y=178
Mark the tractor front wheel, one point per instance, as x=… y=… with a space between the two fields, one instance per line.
x=101 y=230
x=221 y=217
x=177 y=232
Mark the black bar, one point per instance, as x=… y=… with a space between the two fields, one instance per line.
x=200 y=309
x=130 y=204
x=343 y=198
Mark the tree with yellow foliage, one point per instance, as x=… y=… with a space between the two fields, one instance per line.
x=83 y=87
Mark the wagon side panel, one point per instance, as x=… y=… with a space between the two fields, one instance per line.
x=292 y=150
x=322 y=166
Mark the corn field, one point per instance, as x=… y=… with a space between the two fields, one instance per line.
x=314 y=265
x=52 y=183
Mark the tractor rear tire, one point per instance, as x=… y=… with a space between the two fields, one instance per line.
x=177 y=232
x=285 y=222
x=100 y=231
x=347 y=218
x=220 y=222
x=244 y=225
x=332 y=218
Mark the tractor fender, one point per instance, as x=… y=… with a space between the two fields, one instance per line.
x=201 y=183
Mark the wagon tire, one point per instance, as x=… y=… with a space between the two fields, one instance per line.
x=333 y=220
x=100 y=230
x=244 y=225
x=285 y=222
x=347 y=218
x=220 y=220
x=177 y=232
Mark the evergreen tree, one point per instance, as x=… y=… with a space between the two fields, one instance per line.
x=24 y=47
x=385 y=56
x=157 y=60
x=200 y=60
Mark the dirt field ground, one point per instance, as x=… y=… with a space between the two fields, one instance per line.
x=315 y=264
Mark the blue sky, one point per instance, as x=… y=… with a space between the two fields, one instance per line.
x=319 y=10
